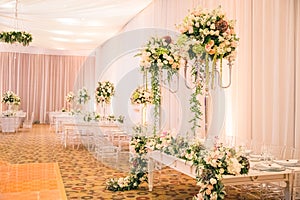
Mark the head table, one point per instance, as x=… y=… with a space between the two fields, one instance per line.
x=254 y=176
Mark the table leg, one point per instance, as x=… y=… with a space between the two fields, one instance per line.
x=288 y=191
x=150 y=173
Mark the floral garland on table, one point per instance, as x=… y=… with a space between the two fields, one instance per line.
x=83 y=96
x=141 y=95
x=141 y=145
x=138 y=171
x=91 y=116
x=104 y=92
x=157 y=55
x=10 y=98
x=16 y=36
x=212 y=165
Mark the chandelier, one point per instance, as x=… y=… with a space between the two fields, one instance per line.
x=11 y=37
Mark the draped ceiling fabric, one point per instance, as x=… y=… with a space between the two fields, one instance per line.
x=263 y=102
x=69 y=24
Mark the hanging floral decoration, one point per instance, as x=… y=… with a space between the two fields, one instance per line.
x=157 y=55
x=83 y=96
x=11 y=37
x=141 y=95
x=104 y=92
x=10 y=98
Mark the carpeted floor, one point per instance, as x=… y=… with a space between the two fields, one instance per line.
x=83 y=176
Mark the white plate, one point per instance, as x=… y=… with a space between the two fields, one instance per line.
x=291 y=162
x=269 y=167
x=255 y=155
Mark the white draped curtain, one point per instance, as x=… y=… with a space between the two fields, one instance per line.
x=263 y=103
x=42 y=81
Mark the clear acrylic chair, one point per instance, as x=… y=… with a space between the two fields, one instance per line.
x=27 y=124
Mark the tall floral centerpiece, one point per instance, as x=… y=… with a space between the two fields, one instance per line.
x=70 y=98
x=207 y=37
x=157 y=55
x=142 y=96
x=11 y=99
x=82 y=97
x=104 y=92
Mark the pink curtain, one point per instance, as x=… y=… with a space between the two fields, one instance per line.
x=42 y=81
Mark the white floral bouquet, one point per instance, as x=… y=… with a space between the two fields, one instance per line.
x=160 y=52
x=104 y=91
x=83 y=96
x=211 y=32
x=70 y=97
x=141 y=95
x=215 y=163
x=10 y=98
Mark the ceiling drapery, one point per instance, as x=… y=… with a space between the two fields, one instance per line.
x=69 y=24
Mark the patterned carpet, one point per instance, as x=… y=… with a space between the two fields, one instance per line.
x=84 y=177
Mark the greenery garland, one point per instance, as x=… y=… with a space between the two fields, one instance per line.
x=138 y=170
x=159 y=54
x=11 y=37
x=211 y=164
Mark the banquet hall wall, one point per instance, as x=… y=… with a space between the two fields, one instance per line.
x=263 y=102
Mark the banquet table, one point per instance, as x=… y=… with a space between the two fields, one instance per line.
x=254 y=176
x=11 y=123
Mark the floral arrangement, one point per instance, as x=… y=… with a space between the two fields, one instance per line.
x=157 y=55
x=213 y=164
x=160 y=53
x=141 y=95
x=83 y=96
x=104 y=92
x=70 y=97
x=206 y=38
x=213 y=32
x=16 y=36
x=138 y=171
x=91 y=116
x=10 y=98
x=141 y=145
x=8 y=113
x=121 y=119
